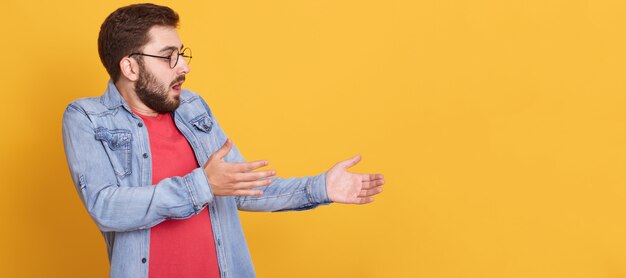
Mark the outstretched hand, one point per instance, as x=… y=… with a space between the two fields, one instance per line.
x=352 y=188
x=235 y=179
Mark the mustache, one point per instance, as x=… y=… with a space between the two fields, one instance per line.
x=180 y=78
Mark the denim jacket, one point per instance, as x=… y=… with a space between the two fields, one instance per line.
x=108 y=153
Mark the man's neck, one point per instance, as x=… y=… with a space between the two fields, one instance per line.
x=127 y=90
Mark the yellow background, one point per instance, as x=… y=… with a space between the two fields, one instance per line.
x=500 y=127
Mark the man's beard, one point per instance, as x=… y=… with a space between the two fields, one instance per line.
x=153 y=94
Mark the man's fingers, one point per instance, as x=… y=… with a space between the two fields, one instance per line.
x=244 y=167
x=370 y=192
x=362 y=201
x=253 y=176
x=372 y=177
x=372 y=184
x=350 y=162
x=247 y=193
x=224 y=150
x=252 y=184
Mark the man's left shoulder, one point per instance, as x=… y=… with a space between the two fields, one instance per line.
x=192 y=102
x=189 y=96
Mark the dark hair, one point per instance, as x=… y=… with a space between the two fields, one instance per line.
x=126 y=31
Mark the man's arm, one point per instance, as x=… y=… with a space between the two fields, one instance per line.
x=269 y=193
x=126 y=208
x=335 y=185
x=117 y=208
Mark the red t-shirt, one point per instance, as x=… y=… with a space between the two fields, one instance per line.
x=185 y=247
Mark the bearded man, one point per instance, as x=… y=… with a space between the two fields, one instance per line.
x=156 y=172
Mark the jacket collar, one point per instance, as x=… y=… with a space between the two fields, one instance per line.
x=112 y=97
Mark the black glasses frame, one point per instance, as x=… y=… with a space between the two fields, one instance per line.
x=169 y=58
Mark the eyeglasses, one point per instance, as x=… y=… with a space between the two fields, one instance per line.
x=172 y=58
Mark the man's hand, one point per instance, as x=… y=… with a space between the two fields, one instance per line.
x=235 y=179
x=350 y=188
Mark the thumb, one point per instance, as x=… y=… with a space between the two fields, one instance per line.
x=350 y=162
x=224 y=150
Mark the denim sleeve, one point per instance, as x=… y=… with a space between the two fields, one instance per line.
x=125 y=208
x=282 y=194
x=288 y=194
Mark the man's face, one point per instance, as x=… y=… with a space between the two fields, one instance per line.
x=158 y=85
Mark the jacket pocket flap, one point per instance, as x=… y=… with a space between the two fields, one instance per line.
x=203 y=123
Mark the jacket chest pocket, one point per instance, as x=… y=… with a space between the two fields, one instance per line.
x=204 y=124
x=118 y=144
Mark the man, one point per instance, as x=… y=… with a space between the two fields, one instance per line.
x=157 y=173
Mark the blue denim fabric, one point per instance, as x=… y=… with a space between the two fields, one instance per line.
x=108 y=153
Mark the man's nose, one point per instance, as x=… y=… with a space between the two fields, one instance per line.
x=182 y=67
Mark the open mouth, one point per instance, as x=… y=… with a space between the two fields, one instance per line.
x=177 y=83
x=177 y=86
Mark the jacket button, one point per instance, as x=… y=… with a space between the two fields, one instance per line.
x=140 y=124
x=144 y=260
x=145 y=155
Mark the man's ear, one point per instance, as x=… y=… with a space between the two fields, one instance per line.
x=129 y=69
